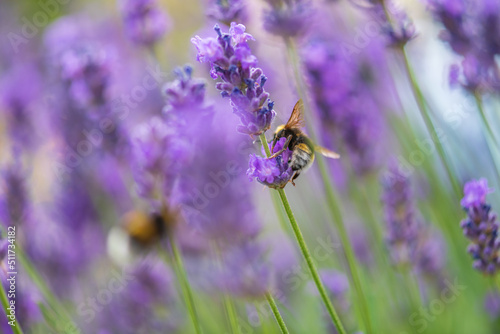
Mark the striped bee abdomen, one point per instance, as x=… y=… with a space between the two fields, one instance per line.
x=302 y=157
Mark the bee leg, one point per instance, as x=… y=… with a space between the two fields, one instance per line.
x=283 y=149
x=294 y=176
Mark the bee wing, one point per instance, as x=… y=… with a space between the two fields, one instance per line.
x=297 y=117
x=326 y=152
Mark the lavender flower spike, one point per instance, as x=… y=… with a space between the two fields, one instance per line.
x=232 y=61
x=480 y=227
x=145 y=23
x=402 y=227
x=274 y=173
x=227 y=11
x=288 y=18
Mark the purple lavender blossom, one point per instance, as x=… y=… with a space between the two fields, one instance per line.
x=402 y=227
x=348 y=108
x=288 y=18
x=227 y=11
x=480 y=227
x=155 y=164
x=231 y=60
x=245 y=271
x=431 y=254
x=400 y=31
x=86 y=72
x=146 y=304
x=145 y=23
x=274 y=173
x=14 y=199
x=471 y=29
x=162 y=147
x=475 y=192
x=20 y=88
x=492 y=304
x=453 y=14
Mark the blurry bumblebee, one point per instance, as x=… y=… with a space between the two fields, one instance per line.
x=138 y=232
x=296 y=141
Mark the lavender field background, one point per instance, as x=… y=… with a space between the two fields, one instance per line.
x=137 y=194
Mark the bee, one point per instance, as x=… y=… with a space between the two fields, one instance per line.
x=302 y=146
x=138 y=232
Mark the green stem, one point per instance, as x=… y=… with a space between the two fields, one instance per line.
x=5 y=304
x=419 y=97
x=228 y=303
x=310 y=263
x=344 y=239
x=279 y=211
x=183 y=279
x=276 y=313
x=486 y=124
x=413 y=288
x=330 y=194
x=305 y=251
x=231 y=313
x=493 y=154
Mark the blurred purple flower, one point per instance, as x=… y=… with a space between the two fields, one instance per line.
x=145 y=22
x=348 y=108
x=274 y=173
x=402 y=227
x=481 y=227
x=471 y=30
x=227 y=11
x=245 y=273
x=475 y=192
x=231 y=60
x=288 y=18
x=145 y=302
x=154 y=162
x=86 y=72
x=431 y=254
x=20 y=88
x=401 y=30
x=15 y=205
x=492 y=304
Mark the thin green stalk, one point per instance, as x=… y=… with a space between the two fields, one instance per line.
x=413 y=288
x=276 y=313
x=419 y=97
x=49 y=297
x=188 y=294
x=344 y=239
x=493 y=154
x=486 y=124
x=231 y=313
x=330 y=193
x=279 y=211
x=305 y=251
x=228 y=303
x=5 y=304
x=310 y=263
